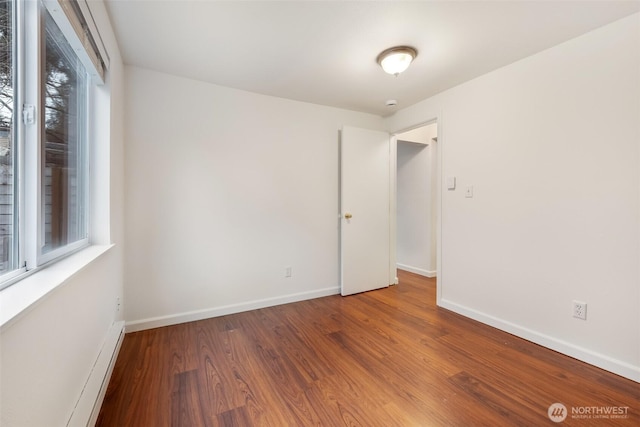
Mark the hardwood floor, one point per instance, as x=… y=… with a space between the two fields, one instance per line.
x=382 y=358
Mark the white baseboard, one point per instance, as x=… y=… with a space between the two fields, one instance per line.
x=88 y=406
x=602 y=361
x=174 y=319
x=416 y=270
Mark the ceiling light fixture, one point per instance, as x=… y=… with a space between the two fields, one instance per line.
x=396 y=59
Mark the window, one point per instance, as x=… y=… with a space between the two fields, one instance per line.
x=63 y=178
x=8 y=240
x=49 y=63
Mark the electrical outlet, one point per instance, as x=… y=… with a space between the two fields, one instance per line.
x=580 y=310
x=287 y=272
x=117 y=304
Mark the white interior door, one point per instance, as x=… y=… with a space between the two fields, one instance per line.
x=365 y=210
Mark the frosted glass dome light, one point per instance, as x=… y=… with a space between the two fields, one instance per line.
x=396 y=59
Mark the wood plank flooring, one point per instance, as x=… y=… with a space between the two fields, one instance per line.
x=383 y=358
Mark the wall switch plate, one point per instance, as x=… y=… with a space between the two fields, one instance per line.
x=287 y=272
x=451 y=183
x=469 y=192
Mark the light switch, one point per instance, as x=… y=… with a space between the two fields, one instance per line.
x=451 y=183
x=469 y=192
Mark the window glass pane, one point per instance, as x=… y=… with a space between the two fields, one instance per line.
x=64 y=177
x=8 y=241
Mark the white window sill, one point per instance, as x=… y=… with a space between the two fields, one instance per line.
x=23 y=295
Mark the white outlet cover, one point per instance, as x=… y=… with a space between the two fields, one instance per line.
x=580 y=310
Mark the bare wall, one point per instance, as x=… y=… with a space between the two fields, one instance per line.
x=551 y=146
x=225 y=189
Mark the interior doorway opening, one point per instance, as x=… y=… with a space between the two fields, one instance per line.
x=417 y=200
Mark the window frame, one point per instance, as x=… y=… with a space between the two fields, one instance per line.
x=29 y=44
x=18 y=64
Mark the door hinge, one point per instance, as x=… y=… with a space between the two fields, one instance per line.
x=28 y=114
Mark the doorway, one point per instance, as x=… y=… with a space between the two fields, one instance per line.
x=417 y=200
x=368 y=173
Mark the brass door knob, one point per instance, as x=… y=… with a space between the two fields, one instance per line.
x=348 y=216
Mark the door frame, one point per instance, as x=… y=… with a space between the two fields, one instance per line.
x=435 y=118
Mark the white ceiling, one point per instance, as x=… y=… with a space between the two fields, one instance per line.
x=325 y=52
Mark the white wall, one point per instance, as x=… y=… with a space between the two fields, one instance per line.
x=49 y=351
x=415 y=194
x=225 y=189
x=551 y=146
